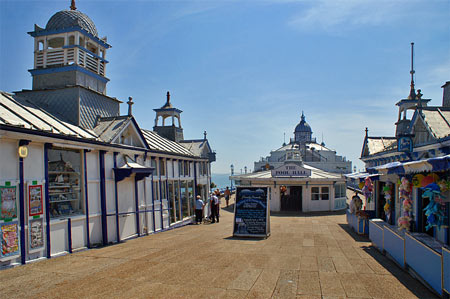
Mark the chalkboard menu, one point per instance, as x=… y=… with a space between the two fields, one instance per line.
x=251 y=212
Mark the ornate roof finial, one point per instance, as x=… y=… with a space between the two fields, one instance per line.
x=204 y=134
x=168 y=97
x=303 y=116
x=130 y=103
x=367 y=132
x=412 y=92
x=72 y=5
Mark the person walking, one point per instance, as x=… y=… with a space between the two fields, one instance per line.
x=199 y=205
x=213 y=205
x=227 y=193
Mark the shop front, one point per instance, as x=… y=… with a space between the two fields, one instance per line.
x=411 y=225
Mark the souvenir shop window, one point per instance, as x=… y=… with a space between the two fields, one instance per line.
x=156 y=190
x=64 y=186
x=184 y=198
x=154 y=165
x=191 y=196
x=162 y=167
x=187 y=168
x=180 y=168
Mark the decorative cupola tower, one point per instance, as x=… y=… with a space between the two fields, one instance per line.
x=411 y=103
x=302 y=132
x=68 y=52
x=69 y=70
x=169 y=131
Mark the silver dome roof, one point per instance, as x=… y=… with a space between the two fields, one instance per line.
x=71 y=18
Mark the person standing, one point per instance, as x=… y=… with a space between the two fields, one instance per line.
x=213 y=205
x=199 y=205
x=227 y=193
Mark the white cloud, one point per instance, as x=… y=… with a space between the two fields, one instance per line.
x=335 y=15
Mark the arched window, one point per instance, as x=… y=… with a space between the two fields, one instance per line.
x=40 y=45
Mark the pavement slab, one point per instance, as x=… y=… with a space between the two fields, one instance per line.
x=308 y=283
x=306 y=256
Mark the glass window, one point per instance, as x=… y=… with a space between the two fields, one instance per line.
x=180 y=168
x=325 y=193
x=191 y=196
x=186 y=168
x=162 y=166
x=163 y=190
x=315 y=193
x=170 y=201
x=339 y=190
x=184 y=199
x=154 y=165
x=176 y=192
x=156 y=191
x=65 y=177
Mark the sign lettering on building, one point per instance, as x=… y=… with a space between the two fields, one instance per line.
x=291 y=170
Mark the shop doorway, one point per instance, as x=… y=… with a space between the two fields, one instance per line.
x=292 y=201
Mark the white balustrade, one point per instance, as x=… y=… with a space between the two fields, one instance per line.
x=53 y=57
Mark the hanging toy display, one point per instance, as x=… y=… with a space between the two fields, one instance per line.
x=367 y=189
x=387 y=190
x=404 y=189
x=435 y=210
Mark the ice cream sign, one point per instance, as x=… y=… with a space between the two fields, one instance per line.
x=291 y=170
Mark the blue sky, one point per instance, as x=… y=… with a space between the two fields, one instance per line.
x=244 y=70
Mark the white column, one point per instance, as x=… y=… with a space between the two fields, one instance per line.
x=44 y=60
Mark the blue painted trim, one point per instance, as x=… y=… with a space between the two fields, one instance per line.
x=167 y=109
x=69 y=29
x=103 y=197
x=23 y=251
x=169 y=202
x=86 y=198
x=86 y=50
x=69 y=234
x=47 y=201
x=160 y=194
x=136 y=201
x=153 y=206
x=68 y=68
x=116 y=201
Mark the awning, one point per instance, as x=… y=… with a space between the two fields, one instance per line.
x=427 y=165
x=360 y=176
x=131 y=167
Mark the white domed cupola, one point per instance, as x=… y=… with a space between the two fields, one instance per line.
x=302 y=132
x=69 y=44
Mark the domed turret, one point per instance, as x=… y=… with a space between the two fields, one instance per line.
x=302 y=132
x=303 y=126
x=71 y=19
x=69 y=74
x=69 y=44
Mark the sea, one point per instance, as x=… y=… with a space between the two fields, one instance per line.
x=222 y=180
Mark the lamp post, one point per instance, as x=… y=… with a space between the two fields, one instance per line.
x=232 y=173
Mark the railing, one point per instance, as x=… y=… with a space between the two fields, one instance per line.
x=67 y=56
